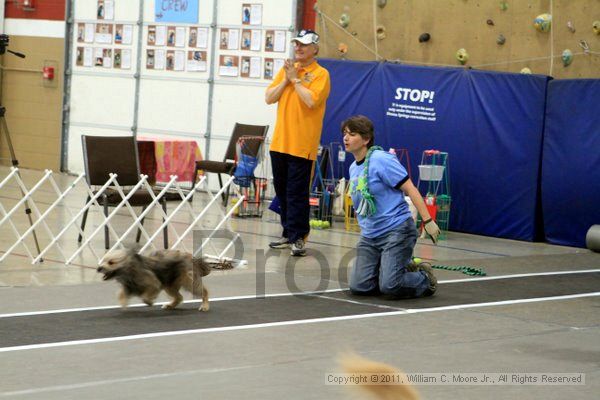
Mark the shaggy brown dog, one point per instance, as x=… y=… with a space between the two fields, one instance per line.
x=167 y=270
x=354 y=364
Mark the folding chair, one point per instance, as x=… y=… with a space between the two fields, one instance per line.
x=103 y=155
x=227 y=166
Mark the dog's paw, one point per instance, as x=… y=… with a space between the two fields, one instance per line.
x=168 y=307
x=204 y=307
x=149 y=303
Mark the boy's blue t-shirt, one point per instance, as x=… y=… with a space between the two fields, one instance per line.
x=385 y=172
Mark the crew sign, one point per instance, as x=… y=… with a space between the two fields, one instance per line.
x=185 y=11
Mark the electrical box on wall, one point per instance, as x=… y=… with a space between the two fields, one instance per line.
x=49 y=73
x=28 y=5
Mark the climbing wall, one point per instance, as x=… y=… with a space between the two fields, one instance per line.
x=391 y=29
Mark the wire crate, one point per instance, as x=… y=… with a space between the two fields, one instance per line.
x=254 y=198
x=350 y=220
x=321 y=206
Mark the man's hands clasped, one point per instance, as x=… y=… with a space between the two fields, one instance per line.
x=291 y=72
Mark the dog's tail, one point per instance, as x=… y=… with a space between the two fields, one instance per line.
x=394 y=390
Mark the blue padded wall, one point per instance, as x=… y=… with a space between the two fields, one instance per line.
x=490 y=123
x=571 y=161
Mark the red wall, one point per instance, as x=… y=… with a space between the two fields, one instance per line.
x=44 y=9
x=309 y=15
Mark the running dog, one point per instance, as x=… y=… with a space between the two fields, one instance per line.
x=146 y=276
x=385 y=389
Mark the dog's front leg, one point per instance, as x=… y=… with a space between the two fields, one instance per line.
x=205 y=306
x=177 y=297
x=150 y=295
x=123 y=298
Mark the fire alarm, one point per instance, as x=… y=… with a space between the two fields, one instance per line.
x=48 y=73
x=29 y=5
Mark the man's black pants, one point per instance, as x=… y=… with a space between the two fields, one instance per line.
x=291 y=178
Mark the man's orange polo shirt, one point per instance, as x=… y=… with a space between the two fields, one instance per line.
x=298 y=128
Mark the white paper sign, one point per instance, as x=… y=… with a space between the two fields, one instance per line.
x=127 y=34
x=279 y=41
x=256 y=40
x=109 y=9
x=202 y=38
x=180 y=36
x=88 y=57
x=256 y=14
x=234 y=39
x=255 y=67
x=126 y=59
x=89 y=33
x=161 y=35
x=159 y=59
x=179 y=60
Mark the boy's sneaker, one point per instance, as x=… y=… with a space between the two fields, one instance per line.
x=412 y=266
x=298 y=249
x=426 y=267
x=281 y=243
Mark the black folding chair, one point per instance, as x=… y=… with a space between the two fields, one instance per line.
x=227 y=166
x=103 y=155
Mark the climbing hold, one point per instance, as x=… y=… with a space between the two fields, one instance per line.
x=490 y=22
x=596 y=27
x=503 y=5
x=526 y=71
x=381 y=32
x=500 y=39
x=462 y=56
x=344 y=20
x=567 y=57
x=571 y=27
x=381 y=3
x=543 y=22
x=585 y=46
x=342 y=48
x=424 y=37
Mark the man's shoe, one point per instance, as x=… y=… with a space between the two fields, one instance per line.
x=281 y=243
x=412 y=266
x=298 y=249
x=426 y=267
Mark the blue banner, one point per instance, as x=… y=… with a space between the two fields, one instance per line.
x=185 y=11
x=490 y=123
x=571 y=161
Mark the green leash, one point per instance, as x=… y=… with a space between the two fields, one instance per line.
x=465 y=270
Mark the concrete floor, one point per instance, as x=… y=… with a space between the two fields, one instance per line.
x=291 y=358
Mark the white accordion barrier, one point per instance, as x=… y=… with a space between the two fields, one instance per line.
x=54 y=213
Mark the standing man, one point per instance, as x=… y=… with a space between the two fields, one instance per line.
x=301 y=88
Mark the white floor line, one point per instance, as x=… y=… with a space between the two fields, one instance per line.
x=289 y=323
x=359 y=303
x=244 y=297
x=491 y=278
x=253 y=296
x=82 y=385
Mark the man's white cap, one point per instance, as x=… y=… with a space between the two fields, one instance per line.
x=306 y=36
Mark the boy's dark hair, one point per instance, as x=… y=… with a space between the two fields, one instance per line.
x=361 y=125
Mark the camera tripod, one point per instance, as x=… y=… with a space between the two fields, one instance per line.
x=4 y=40
x=15 y=163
